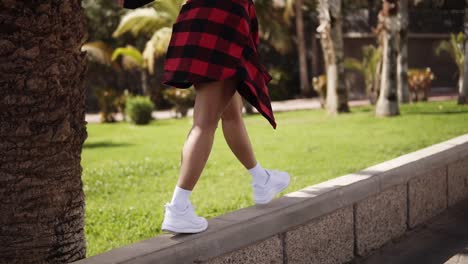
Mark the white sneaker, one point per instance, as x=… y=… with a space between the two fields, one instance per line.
x=277 y=182
x=186 y=221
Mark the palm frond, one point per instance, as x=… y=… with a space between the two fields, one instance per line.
x=371 y=56
x=171 y=8
x=354 y=64
x=156 y=47
x=142 y=21
x=132 y=57
x=98 y=51
x=454 y=47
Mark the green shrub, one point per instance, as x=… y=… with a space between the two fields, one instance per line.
x=139 y=109
x=182 y=99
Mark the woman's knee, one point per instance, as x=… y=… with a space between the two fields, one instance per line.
x=207 y=122
x=233 y=111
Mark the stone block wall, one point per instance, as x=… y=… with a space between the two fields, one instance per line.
x=331 y=222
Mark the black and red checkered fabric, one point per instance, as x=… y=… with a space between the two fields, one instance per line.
x=214 y=40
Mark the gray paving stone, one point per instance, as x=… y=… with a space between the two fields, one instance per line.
x=427 y=195
x=266 y=251
x=326 y=240
x=457 y=181
x=380 y=218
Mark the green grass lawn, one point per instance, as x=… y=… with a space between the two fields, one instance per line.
x=130 y=171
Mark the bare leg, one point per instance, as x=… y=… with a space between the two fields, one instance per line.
x=236 y=134
x=210 y=101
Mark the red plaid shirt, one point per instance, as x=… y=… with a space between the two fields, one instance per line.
x=214 y=40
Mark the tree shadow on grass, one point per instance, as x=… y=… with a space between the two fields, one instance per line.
x=104 y=144
x=454 y=112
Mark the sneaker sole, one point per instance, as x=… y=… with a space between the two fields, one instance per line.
x=274 y=191
x=175 y=230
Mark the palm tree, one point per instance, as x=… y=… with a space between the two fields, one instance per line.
x=301 y=45
x=331 y=38
x=144 y=62
x=133 y=59
x=454 y=47
x=100 y=52
x=463 y=90
x=371 y=57
x=271 y=22
x=42 y=131
x=154 y=22
x=402 y=60
x=387 y=104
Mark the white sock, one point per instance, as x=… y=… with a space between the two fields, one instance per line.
x=180 y=198
x=259 y=175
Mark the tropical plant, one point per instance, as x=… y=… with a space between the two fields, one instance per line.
x=320 y=86
x=420 y=82
x=154 y=22
x=121 y=103
x=138 y=109
x=107 y=101
x=454 y=47
x=182 y=99
x=102 y=17
x=132 y=58
x=371 y=56
x=278 y=88
x=273 y=25
x=98 y=51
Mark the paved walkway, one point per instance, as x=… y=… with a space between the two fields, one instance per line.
x=278 y=106
x=443 y=239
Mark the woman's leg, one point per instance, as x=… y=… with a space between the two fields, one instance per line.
x=236 y=134
x=210 y=101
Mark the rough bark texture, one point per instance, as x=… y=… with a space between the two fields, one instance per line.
x=42 y=130
x=301 y=50
x=387 y=104
x=403 y=91
x=331 y=38
x=463 y=89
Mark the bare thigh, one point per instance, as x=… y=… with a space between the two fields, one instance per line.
x=211 y=99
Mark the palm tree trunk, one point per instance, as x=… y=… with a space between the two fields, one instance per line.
x=301 y=49
x=387 y=104
x=463 y=89
x=331 y=37
x=144 y=82
x=42 y=130
x=314 y=57
x=375 y=92
x=402 y=60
